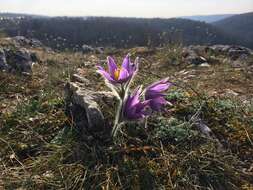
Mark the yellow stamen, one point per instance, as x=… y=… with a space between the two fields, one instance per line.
x=116 y=74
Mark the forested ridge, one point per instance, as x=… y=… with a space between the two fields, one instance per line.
x=73 y=32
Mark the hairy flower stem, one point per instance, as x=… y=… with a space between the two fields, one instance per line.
x=119 y=113
x=117 y=119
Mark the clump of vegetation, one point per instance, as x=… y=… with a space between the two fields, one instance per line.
x=171 y=55
x=173 y=130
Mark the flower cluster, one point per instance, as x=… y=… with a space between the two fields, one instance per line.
x=140 y=103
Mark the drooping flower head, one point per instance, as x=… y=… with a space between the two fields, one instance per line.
x=155 y=93
x=134 y=108
x=118 y=75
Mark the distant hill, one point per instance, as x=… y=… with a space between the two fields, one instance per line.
x=239 y=26
x=71 y=32
x=208 y=18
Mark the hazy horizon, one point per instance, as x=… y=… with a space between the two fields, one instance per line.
x=180 y=16
x=126 y=8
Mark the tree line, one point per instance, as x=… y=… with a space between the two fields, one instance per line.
x=71 y=32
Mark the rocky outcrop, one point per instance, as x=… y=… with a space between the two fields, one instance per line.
x=20 y=60
x=198 y=55
x=195 y=59
x=84 y=105
x=233 y=52
x=89 y=49
x=193 y=56
x=3 y=63
x=22 y=41
x=99 y=50
x=17 y=60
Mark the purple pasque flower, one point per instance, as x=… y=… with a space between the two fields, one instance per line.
x=155 y=93
x=118 y=75
x=134 y=108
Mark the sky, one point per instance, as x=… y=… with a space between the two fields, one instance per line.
x=126 y=8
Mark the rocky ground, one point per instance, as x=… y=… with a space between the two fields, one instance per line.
x=56 y=114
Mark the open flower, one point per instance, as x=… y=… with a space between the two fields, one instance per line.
x=118 y=75
x=155 y=94
x=134 y=108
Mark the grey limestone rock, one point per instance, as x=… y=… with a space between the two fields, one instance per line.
x=84 y=106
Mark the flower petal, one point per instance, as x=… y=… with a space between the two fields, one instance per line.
x=142 y=105
x=112 y=67
x=105 y=74
x=163 y=81
x=124 y=75
x=156 y=89
x=135 y=96
x=133 y=108
x=157 y=103
x=160 y=87
x=127 y=63
x=135 y=65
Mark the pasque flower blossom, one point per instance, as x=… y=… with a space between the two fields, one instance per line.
x=155 y=94
x=134 y=108
x=136 y=105
x=115 y=74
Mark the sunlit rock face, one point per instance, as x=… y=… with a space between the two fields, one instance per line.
x=84 y=105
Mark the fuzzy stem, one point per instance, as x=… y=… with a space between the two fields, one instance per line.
x=117 y=118
x=119 y=113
